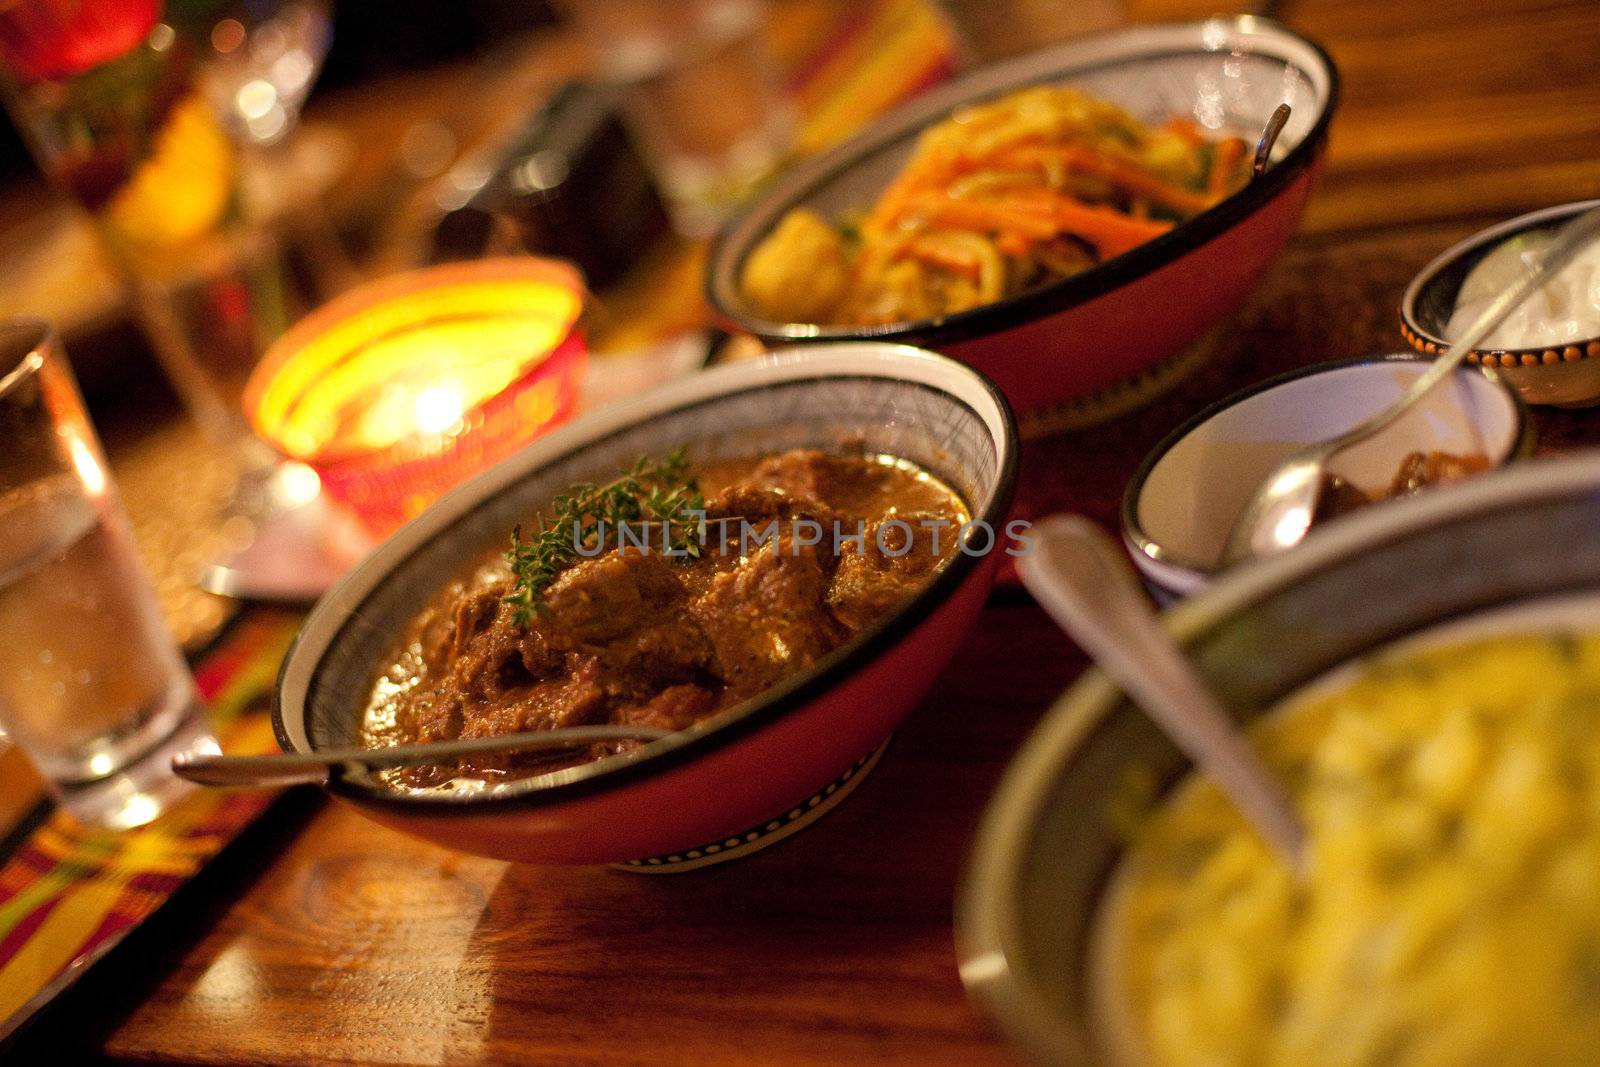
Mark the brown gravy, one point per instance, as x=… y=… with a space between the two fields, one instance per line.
x=637 y=638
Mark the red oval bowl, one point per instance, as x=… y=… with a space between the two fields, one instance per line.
x=749 y=766
x=1079 y=336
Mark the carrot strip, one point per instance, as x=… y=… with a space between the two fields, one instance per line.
x=927 y=172
x=1038 y=155
x=1224 y=158
x=1187 y=129
x=1122 y=173
x=1110 y=232
x=985 y=217
x=1014 y=245
x=1143 y=183
x=940 y=254
x=1035 y=198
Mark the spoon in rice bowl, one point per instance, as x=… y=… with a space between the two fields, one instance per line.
x=1081 y=577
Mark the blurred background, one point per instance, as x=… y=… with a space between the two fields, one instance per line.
x=219 y=169
x=364 y=85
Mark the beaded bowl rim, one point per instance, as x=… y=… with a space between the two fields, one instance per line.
x=1429 y=343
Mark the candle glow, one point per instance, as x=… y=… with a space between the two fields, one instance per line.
x=402 y=388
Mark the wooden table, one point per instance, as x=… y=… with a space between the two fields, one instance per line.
x=336 y=940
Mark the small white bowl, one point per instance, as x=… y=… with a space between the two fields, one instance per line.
x=1185 y=496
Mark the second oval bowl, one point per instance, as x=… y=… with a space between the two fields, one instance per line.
x=1519 y=541
x=1053 y=348
x=743 y=772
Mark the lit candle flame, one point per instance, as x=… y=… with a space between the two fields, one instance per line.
x=439 y=408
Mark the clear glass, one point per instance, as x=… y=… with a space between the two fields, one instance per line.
x=265 y=55
x=92 y=687
x=701 y=94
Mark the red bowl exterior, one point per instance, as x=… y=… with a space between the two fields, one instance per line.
x=715 y=795
x=1082 y=350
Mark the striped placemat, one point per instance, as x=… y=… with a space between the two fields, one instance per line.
x=883 y=54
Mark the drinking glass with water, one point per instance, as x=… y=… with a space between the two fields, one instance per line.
x=92 y=687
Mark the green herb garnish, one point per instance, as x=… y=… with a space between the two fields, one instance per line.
x=661 y=493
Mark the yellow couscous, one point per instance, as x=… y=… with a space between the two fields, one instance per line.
x=1449 y=913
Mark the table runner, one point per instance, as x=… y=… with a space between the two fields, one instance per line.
x=69 y=894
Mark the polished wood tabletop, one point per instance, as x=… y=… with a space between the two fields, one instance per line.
x=324 y=938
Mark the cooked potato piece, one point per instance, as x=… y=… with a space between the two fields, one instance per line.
x=799 y=273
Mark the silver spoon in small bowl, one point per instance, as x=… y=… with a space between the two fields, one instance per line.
x=281 y=769
x=1280 y=511
x=1082 y=578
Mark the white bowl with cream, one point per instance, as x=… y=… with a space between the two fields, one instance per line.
x=1549 y=349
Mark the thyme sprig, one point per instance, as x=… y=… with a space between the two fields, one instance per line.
x=660 y=492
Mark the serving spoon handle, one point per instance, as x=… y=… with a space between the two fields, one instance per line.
x=1081 y=578
x=1279 y=512
x=278 y=770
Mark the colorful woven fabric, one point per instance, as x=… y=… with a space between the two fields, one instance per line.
x=68 y=893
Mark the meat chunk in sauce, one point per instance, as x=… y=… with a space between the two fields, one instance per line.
x=626 y=610
x=636 y=637
x=888 y=565
x=768 y=617
x=1417 y=472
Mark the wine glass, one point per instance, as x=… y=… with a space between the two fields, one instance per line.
x=264 y=58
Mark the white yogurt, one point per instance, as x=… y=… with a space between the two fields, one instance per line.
x=1566 y=309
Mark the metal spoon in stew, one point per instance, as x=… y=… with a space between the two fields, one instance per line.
x=316 y=768
x=1080 y=576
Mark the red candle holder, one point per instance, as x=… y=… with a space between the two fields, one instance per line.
x=404 y=387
